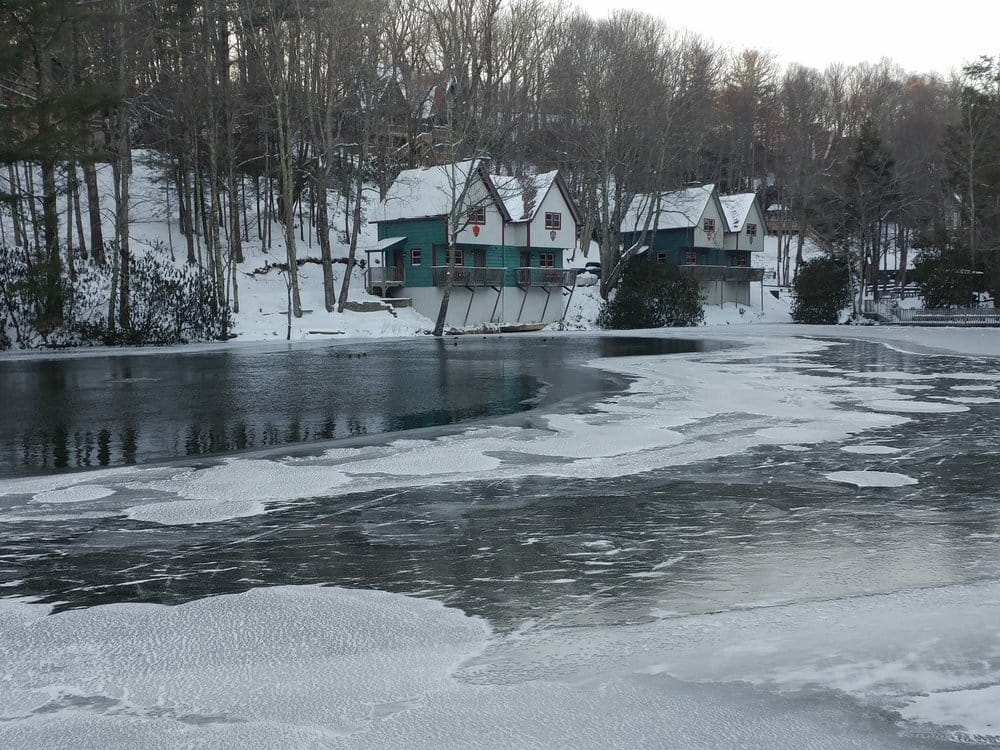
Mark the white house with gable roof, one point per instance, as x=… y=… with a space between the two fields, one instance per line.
x=512 y=232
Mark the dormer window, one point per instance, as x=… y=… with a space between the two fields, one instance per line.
x=477 y=215
x=553 y=220
x=708 y=225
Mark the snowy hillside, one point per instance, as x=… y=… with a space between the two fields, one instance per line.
x=262 y=297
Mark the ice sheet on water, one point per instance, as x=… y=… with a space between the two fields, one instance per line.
x=887 y=651
x=79 y=494
x=235 y=488
x=871 y=450
x=309 y=667
x=678 y=409
x=972 y=400
x=276 y=667
x=976 y=711
x=871 y=478
x=916 y=407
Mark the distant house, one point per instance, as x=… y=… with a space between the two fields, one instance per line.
x=690 y=228
x=745 y=222
x=509 y=249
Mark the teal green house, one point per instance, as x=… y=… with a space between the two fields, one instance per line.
x=508 y=234
x=693 y=229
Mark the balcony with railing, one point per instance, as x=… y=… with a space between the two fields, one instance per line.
x=545 y=277
x=378 y=279
x=469 y=276
x=722 y=273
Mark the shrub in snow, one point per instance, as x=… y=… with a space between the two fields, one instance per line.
x=822 y=290
x=652 y=295
x=168 y=304
x=946 y=279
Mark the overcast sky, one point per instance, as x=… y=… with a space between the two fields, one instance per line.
x=918 y=35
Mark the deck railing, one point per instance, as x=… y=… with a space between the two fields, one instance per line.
x=958 y=316
x=469 y=276
x=722 y=273
x=383 y=276
x=545 y=277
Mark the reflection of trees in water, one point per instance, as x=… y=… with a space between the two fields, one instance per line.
x=102 y=412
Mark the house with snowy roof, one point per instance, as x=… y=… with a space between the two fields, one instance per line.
x=745 y=222
x=689 y=228
x=509 y=236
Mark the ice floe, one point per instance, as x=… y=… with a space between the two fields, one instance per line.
x=81 y=493
x=916 y=407
x=871 y=450
x=871 y=478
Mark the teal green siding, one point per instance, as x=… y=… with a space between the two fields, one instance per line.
x=430 y=237
x=677 y=242
x=421 y=234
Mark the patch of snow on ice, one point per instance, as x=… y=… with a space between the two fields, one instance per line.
x=871 y=450
x=269 y=668
x=239 y=487
x=871 y=478
x=972 y=400
x=975 y=710
x=916 y=407
x=79 y=494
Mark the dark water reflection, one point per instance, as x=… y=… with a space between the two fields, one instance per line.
x=104 y=411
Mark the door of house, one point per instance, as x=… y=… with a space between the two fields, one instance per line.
x=525 y=259
x=399 y=261
x=479 y=258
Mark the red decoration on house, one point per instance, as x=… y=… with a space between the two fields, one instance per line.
x=475 y=230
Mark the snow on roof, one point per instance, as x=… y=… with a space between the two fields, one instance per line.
x=679 y=209
x=427 y=191
x=736 y=208
x=523 y=195
x=382 y=245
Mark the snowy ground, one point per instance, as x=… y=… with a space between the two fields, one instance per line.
x=799 y=552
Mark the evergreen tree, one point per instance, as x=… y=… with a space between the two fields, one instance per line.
x=822 y=291
x=652 y=295
x=869 y=199
x=973 y=149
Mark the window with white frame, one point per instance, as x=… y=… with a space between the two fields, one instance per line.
x=691 y=258
x=751 y=231
x=739 y=259
x=458 y=254
x=553 y=220
x=661 y=257
x=708 y=224
x=415 y=257
x=547 y=260
x=477 y=215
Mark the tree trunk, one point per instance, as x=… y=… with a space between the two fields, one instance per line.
x=94 y=211
x=78 y=214
x=323 y=231
x=123 y=168
x=285 y=155
x=359 y=184
x=69 y=223
x=449 y=278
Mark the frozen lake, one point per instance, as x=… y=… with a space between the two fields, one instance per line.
x=77 y=412
x=777 y=543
